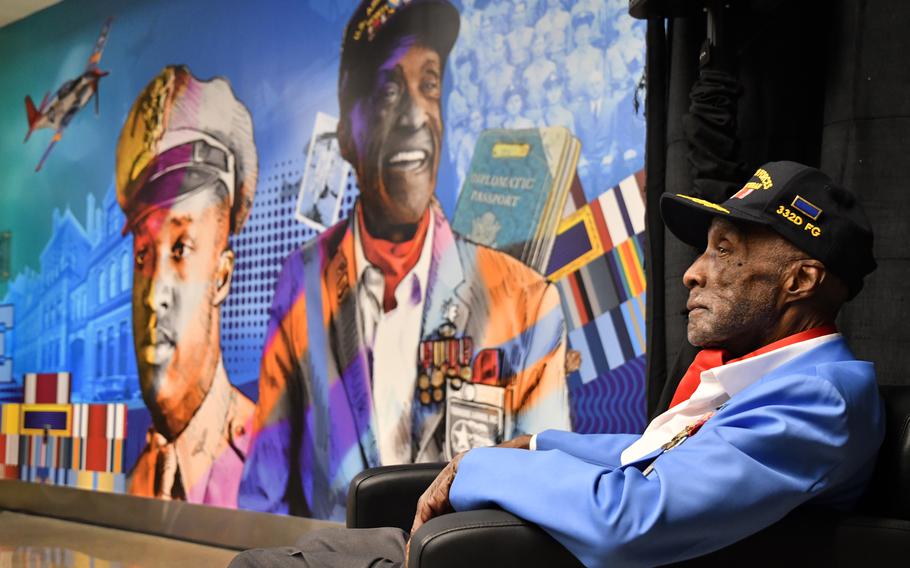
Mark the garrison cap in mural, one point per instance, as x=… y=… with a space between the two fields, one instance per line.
x=801 y=204
x=377 y=23
x=181 y=135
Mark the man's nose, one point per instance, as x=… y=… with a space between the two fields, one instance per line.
x=410 y=114
x=160 y=295
x=695 y=274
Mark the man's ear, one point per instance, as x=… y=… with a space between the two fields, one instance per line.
x=346 y=139
x=804 y=280
x=223 y=276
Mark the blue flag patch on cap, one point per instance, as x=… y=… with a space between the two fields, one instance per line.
x=806 y=208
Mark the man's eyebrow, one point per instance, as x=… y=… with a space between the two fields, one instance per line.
x=430 y=66
x=182 y=221
x=386 y=72
x=730 y=233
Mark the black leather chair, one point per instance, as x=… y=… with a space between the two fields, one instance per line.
x=876 y=534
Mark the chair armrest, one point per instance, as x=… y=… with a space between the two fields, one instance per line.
x=387 y=496
x=862 y=540
x=488 y=537
x=817 y=537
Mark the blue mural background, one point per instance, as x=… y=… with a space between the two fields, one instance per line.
x=72 y=268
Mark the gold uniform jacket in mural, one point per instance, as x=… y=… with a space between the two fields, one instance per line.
x=205 y=463
x=313 y=426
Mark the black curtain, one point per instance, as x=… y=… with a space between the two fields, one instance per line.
x=824 y=83
x=865 y=144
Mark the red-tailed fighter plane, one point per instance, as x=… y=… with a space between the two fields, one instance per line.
x=72 y=95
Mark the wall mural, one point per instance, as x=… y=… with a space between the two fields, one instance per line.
x=290 y=241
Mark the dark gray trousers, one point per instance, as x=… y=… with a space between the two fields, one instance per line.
x=333 y=548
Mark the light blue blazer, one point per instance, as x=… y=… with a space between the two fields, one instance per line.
x=808 y=432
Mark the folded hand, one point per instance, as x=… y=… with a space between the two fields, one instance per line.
x=435 y=500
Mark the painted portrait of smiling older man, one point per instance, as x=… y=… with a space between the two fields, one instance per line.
x=186 y=176
x=391 y=338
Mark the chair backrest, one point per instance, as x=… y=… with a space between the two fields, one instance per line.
x=889 y=490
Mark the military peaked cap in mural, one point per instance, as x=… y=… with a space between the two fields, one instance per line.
x=182 y=134
x=375 y=26
x=801 y=204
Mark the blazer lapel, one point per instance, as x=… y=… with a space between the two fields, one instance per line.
x=449 y=297
x=347 y=351
x=449 y=300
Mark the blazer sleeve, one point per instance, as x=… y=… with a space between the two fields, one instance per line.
x=603 y=449
x=745 y=469
x=266 y=476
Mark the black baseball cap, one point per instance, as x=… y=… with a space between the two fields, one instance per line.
x=801 y=204
x=375 y=25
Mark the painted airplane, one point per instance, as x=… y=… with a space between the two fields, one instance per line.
x=69 y=99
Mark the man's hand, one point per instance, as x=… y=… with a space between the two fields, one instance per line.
x=519 y=443
x=435 y=500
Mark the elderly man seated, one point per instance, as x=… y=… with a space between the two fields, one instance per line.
x=774 y=412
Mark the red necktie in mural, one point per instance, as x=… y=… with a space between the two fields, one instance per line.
x=393 y=259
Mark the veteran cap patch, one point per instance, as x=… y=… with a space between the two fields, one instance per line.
x=800 y=203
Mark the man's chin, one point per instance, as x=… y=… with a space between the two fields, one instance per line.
x=154 y=379
x=408 y=196
x=156 y=356
x=407 y=204
x=698 y=337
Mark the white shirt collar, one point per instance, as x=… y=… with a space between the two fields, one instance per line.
x=736 y=376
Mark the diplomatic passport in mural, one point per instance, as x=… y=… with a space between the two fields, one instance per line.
x=516 y=190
